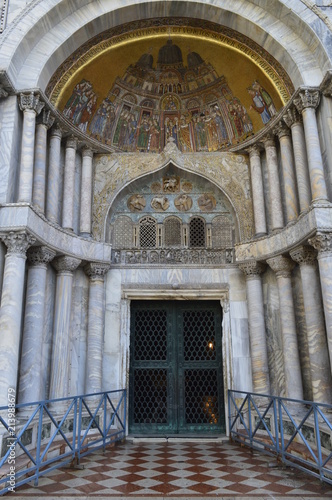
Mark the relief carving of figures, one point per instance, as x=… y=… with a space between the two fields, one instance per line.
x=171 y=184
x=183 y=203
x=160 y=203
x=207 y=202
x=136 y=203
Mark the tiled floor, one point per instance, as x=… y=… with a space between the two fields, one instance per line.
x=174 y=469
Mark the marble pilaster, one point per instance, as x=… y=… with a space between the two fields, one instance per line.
x=322 y=242
x=86 y=192
x=283 y=266
x=294 y=121
x=306 y=104
x=306 y=257
x=69 y=184
x=44 y=122
x=257 y=191
x=287 y=162
x=11 y=309
x=65 y=267
x=277 y=218
x=54 y=173
x=96 y=315
x=31 y=359
x=257 y=330
x=31 y=106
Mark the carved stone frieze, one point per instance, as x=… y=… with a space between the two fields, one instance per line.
x=281 y=265
x=307 y=98
x=45 y=118
x=31 y=101
x=304 y=255
x=66 y=264
x=252 y=268
x=322 y=242
x=173 y=256
x=18 y=243
x=40 y=255
x=228 y=171
x=292 y=116
x=96 y=270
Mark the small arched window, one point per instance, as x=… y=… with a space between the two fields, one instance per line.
x=222 y=232
x=122 y=232
x=172 y=232
x=147 y=232
x=197 y=233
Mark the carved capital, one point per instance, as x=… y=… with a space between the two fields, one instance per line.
x=66 y=264
x=307 y=98
x=292 y=116
x=269 y=141
x=252 y=268
x=87 y=152
x=31 y=102
x=18 y=243
x=282 y=266
x=304 y=255
x=45 y=118
x=3 y=93
x=322 y=242
x=72 y=142
x=254 y=151
x=56 y=131
x=96 y=270
x=281 y=130
x=40 y=256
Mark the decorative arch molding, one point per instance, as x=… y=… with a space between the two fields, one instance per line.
x=58 y=27
x=229 y=172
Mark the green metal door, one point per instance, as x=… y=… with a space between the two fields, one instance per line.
x=176 y=380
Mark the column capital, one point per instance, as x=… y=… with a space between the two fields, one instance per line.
x=3 y=93
x=254 y=150
x=252 y=268
x=87 y=152
x=304 y=255
x=40 y=256
x=45 y=118
x=281 y=265
x=56 y=131
x=292 y=116
x=96 y=270
x=269 y=141
x=66 y=264
x=31 y=102
x=322 y=242
x=307 y=98
x=281 y=130
x=72 y=142
x=18 y=243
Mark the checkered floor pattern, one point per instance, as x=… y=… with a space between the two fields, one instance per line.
x=178 y=469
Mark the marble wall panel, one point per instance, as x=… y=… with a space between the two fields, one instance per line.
x=48 y=331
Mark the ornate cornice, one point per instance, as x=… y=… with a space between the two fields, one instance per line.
x=45 y=118
x=31 y=102
x=304 y=255
x=252 y=268
x=322 y=242
x=40 y=256
x=17 y=243
x=307 y=98
x=96 y=270
x=281 y=265
x=292 y=116
x=65 y=264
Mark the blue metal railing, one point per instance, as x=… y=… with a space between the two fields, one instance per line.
x=64 y=430
x=299 y=433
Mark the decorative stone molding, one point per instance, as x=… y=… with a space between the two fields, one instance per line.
x=40 y=256
x=281 y=265
x=87 y=152
x=96 y=270
x=18 y=243
x=252 y=268
x=322 y=242
x=66 y=264
x=307 y=98
x=3 y=93
x=292 y=116
x=172 y=256
x=281 y=130
x=56 y=131
x=304 y=255
x=72 y=142
x=31 y=102
x=45 y=118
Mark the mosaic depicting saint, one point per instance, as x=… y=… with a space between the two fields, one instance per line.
x=262 y=102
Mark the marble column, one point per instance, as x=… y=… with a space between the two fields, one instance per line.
x=294 y=121
x=11 y=309
x=277 y=218
x=257 y=191
x=287 y=162
x=86 y=192
x=283 y=266
x=96 y=317
x=306 y=103
x=322 y=242
x=65 y=267
x=306 y=257
x=257 y=330
x=69 y=184
x=31 y=106
x=54 y=175
x=44 y=122
x=31 y=359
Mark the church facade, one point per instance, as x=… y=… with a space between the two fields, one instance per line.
x=165 y=204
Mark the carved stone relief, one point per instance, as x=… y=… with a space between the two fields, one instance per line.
x=136 y=203
x=183 y=203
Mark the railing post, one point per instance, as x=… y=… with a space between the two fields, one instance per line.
x=275 y=417
x=281 y=430
x=249 y=414
x=79 y=428
x=104 y=427
x=318 y=443
x=125 y=411
x=39 y=435
x=75 y=436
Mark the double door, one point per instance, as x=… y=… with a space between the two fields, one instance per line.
x=175 y=380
